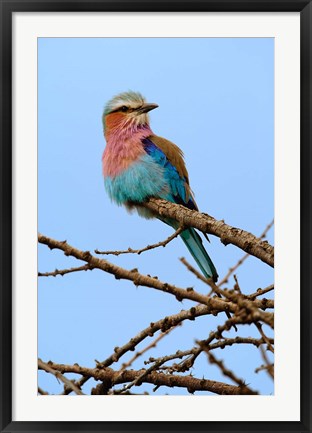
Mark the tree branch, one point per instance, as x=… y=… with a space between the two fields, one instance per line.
x=164 y=325
x=65 y=271
x=226 y=371
x=147 y=248
x=145 y=280
x=152 y=345
x=207 y=224
x=242 y=259
x=48 y=367
x=260 y=292
x=111 y=377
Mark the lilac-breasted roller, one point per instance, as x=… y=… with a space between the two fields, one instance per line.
x=137 y=164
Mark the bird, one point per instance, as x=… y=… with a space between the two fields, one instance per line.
x=138 y=164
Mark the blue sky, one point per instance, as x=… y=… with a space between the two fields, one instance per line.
x=215 y=98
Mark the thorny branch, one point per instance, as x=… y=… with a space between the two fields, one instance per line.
x=225 y=279
x=238 y=298
x=110 y=377
x=165 y=325
x=147 y=281
x=207 y=224
x=49 y=369
x=227 y=372
x=245 y=310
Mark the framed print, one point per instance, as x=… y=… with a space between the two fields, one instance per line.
x=131 y=132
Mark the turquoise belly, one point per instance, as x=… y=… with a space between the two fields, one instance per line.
x=142 y=179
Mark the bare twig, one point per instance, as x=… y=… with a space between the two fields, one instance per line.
x=269 y=366
x=202 y=278
x=65 y=271
x=236 y=285
x=225 y=279
x=238 y=340
x=260 y=292
x=48 y=367
x=178 y=355
x=265 y=338
x=147 y=348
x=138 y=380
x=264 y=367
x=193 y=270
x=147 y=248
x=196 y=350
x=228 y=373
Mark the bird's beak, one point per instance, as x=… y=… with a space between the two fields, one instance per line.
x=146 y=108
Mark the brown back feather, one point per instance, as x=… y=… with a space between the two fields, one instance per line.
x=173 y=153
x=175 y=156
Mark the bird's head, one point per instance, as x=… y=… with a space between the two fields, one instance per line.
x=127 y=111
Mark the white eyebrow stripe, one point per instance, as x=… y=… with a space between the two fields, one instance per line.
x=130 y=99
x=121 y=103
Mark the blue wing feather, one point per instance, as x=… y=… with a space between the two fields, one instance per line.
x=177 y=184
x=175 y=181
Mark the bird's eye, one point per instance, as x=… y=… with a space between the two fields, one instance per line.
x=124 y=108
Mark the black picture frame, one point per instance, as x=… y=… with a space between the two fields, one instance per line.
x=8 y=7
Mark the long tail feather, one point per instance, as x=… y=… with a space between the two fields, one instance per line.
x=195 y=246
